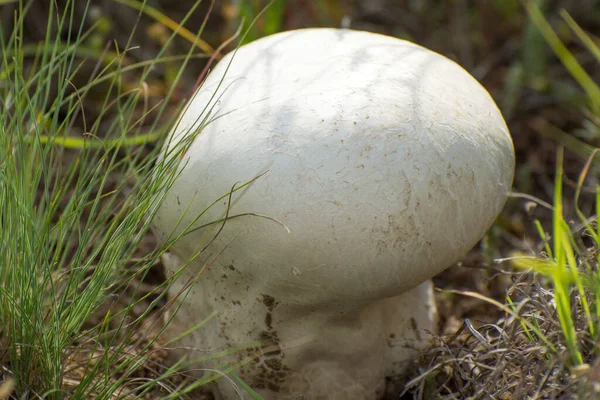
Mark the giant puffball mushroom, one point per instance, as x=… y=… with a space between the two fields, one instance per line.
x=386 y=161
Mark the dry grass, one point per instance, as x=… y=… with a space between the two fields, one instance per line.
x=500 y=360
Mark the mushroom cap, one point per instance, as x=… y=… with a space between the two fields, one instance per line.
x=386 y=161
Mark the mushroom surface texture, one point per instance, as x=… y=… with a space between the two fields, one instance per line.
x=386 y=161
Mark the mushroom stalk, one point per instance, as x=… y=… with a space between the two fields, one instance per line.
x=333 y=351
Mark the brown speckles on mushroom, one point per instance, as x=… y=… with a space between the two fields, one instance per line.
x=269 y=320
x=268 y=301
x=272 y=374
x=274 y=363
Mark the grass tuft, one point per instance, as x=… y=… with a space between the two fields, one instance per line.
x=77 y=193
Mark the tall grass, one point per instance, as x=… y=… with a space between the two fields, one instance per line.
x=566 y=261
x=77 y=194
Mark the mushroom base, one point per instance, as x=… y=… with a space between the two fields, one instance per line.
x=309 y=353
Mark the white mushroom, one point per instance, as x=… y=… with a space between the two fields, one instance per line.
x=386 y=161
